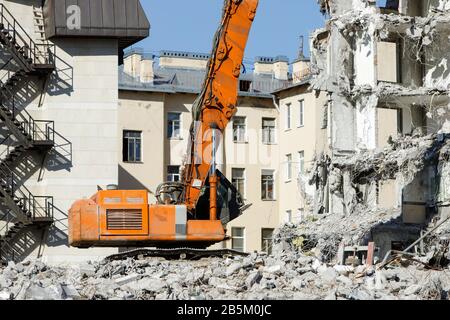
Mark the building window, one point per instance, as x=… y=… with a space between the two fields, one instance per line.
x=238 y=180
x=132 y=146
x=238 y=239
x=269 y=130
x=289 y=167
x=173 y=174
x=301 y=162
x=174 y=125
x=288 y=116
x=266 y=240
x=239 y=129
x=299 y=217
x=289 y=216
x=245 y=85
x=267 y=185
x=301 y=118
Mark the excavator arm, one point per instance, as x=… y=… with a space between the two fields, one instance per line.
x=216 y=104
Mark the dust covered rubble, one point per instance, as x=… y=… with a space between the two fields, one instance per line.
x=287 y=274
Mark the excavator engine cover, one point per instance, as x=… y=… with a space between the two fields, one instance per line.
x=115 y=218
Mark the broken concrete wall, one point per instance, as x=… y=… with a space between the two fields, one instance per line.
x=359 y=41
x=389 y=194
x=437 y=64
x=338 y=7
x=343 y=111
x=366 y=123
x=434 y=5
x=364 y=57
x=411 y=70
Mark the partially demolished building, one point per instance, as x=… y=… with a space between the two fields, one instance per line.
x=385 y=68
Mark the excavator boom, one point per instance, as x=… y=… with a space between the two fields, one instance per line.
x=216 y=105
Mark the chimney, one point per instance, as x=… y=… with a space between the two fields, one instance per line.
x=146 y=73
x=301 y=69
x=281 y=68
x=183 y=59
x=132 y=62
x=278 y=67
x=264 y=65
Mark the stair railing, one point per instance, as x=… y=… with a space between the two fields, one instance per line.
x=26 y=43
x=37 y=206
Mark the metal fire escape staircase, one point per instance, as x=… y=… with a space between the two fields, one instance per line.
x=21 y=209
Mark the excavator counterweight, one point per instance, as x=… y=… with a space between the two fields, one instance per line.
x=193 y=212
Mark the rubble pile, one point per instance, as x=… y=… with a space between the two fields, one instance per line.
x=323 y=234
x=291 y=272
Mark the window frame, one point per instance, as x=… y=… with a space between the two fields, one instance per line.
x=274 y=198
x=289 y=170
x=140 y=139
x=245 y=85
x=171 y=126
x=244 y=179
x=301 y=162
x=173 y=174
x=301 y=116
x=264 y=239
x=288 y=117
x=245 y=137
x=300 y=213
x=270 y=130
x=289 y=216
x=233 y=237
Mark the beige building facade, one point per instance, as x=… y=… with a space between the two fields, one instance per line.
x=303 y=137
x=158 y=112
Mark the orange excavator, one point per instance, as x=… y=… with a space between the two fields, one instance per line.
x=193 y=212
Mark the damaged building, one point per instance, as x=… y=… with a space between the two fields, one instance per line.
x=384 y=66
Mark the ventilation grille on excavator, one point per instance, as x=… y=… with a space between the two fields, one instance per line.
x=124 y=219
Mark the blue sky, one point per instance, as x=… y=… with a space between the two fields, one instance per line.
x=189 y=25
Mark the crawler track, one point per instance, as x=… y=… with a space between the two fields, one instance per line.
x=180 y=253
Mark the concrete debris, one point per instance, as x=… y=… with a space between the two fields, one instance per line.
x=233 y=268
x=294 y=272
x=70 y=292
x=354 y=182
x=127 y=279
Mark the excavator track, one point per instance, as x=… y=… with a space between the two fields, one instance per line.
x=179 y=253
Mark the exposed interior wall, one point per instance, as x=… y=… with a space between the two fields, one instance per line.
x=387 y=125
x=343 y=137
x=387 y=61
x=366 y=123
x=364 y=61
x=389 y=195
